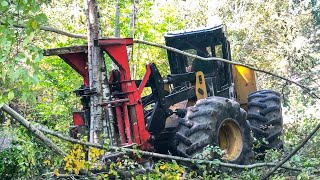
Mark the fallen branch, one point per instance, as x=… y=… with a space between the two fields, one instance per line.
x=81 y=36
x=205 y=59
x=226 y=61
x=293 y=152
x=54 y=30
x=33 y=129
x=163 y=156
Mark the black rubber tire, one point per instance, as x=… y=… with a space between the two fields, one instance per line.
x=265 y=118
x=202 y=123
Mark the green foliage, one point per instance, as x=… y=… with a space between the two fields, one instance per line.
x=55 y=93
x=25 y=157
x=165 y=170
x=315 y=9
x=279 y=36
x=19 y=57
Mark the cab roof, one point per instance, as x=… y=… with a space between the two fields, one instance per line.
x=194 y=32
x=195 y=38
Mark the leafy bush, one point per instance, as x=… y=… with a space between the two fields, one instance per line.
x=25 y=158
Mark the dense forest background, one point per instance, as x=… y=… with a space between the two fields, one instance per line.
x=278 y=36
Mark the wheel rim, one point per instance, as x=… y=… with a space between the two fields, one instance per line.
x=230 y=139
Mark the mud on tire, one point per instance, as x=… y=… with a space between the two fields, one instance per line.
x=265 y=118
x=219 y=122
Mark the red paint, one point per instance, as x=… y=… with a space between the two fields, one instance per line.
x=110 y=79
x=78 y=119
x=135 y=126
x=127 y=122
x=116 y=41
x=78 y=61
x=145 y=79
x=117 y=50
x=120 y=125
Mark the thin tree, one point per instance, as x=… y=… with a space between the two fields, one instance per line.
x=95 y=66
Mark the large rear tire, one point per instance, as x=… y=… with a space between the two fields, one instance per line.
x=216 y=121
x=265 y=118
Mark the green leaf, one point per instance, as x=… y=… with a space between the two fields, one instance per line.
x=3 y=59
x=35 y=79
x=4 y=3
x=26 y=41
x=38 y=58
x=10 y=95
x=3 y=76
x=24 y=96
x=41 y=18
x=15 y=74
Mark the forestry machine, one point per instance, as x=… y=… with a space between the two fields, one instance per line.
x=200 y=103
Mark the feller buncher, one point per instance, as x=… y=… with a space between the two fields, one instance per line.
x=200 y=103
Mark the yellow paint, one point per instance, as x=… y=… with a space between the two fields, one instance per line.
x=166 y=87
x=245 y=83
x=230 y=139
x=201 y=86
x=244 y=72
x=172 y=120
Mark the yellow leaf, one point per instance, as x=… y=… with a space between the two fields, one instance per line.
x=76 y=171
x=163 y=167
x=181 y=170
x=82 y=154
x=119 y=163
x=178 y=176
x=69 y=169
x=34 y=24
x=46 y=162
x=101 y=152
x=56 y=172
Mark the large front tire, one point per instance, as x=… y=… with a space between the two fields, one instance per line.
x=216 y=121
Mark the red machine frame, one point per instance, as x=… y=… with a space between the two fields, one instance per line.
x=116 y=48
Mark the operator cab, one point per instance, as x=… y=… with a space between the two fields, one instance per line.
x=205 y=42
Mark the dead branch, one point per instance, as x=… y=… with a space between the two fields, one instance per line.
x=226 y=61
x=54 y=30
x=81 y=36
x=33 y=129
x=163 y=156
x=205 y=59
x=293 y=152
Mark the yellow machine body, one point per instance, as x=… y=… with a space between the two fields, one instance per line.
x=245 y=83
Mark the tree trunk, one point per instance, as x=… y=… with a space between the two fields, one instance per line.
x=132 y=26
x=117 y=20
x=116 y=27
x=108 y=121
x=95 y=66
